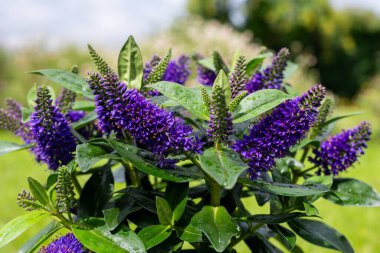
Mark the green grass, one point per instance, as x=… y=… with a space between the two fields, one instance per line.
x=359 y=224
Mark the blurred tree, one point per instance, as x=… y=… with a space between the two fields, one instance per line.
x=345 y=43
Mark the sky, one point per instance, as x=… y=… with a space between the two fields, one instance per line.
x=101 y=23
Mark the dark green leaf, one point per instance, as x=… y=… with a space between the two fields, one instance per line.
x=128 y=152
x=217 y=225
x=164 y=212
x=224 y=166
x=274 y=219
x=260 y=244
x=176 y=194
x=67 y=79
x=84 y=105
x=192 y=234
x=310 y=209
x=291 y=190
x=332 y=120
x=38 y=191
x=38 y=240
x=88 y=154
x=7 y=147
x=320 y=234
x=18 y=225
x=85 y=120
x=257 y=103
x=96 y=193
x=153 y=235
x=130 y=64
x=352 y=192
x=114 y=216
x=287 y=237
x=143 y=198
x=255 y=63
x=185 y=97
x=100 y=240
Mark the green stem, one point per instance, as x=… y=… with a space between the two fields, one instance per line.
x=307 y=170
x=214 y=192
x=304 y=155
x=132 y=172
x=62 y=218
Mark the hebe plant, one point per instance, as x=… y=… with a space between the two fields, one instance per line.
x=139 y=162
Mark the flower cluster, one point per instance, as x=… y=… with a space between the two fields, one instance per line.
x=272 y=76
x=341 y=151
x=51 y=132
x=272 y=137
x=65 y=244
x=238 y=77
x=178 y=71
x=120 y=109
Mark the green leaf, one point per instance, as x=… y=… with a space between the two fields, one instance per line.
x=320 y=234
x=38 y=191
x=7 y=147
x=115 y=215
x=192 y=234
x=153 y=235
x=26 y=113
x=352 y=192
x=217 y=225
x=177 y=194
x=290 y=70
x=208 y=63
x=224 y=166
x=255 y=63
x=85 y=120
x=310 y=209
x=257 y=103
x=18 y=225
x=222 y=81
x=100 y=240
x=183 y=96
x=129 y=153
x=84 y=105
x=334 y=119
x=287 y=237
x=303 y=143
x=88 y=154
x=274 y=219
x=67 y=79
x=130 y=64
x=42 y=236
x=291 y=190
x=164 y=212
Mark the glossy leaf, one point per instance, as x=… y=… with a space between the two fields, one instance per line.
x=84 y=105
x=176 y=194
x=320 y=234
x=128 y=152
x=274 y=219
x=153 y=235
x=192 y=234
x=115 y=215
x=353 y=192
x=291 y=190
x=287 y=237
x=18 y=225
x=40 y=238
x=7 y=147
x=257 y=103
x=185 y=97
x=164 y=212
x=100 y=240
x=88 y=154
x=67 y=79
x=217 y=225
x=130 y=64
x=90 y=117
x=224 y=166
x=38 y=191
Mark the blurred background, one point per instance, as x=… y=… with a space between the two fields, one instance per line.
x=336 y=43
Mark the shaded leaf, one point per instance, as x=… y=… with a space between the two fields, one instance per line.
x=177 y=194
x=164 y=212
x=274 y=219
x=287 y=237
x=87 y=154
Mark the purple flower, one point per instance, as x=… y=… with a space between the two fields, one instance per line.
x=272 y=137
x=205 y=76
x=65 y=244
x=272 y=76
x=178 y=71
x=341 y=151
x=74 y=116
x=14 y=109
x=51 y=132
x=153 y=128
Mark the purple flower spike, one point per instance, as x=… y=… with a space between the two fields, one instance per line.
x=65 y=244
x=178 y=71
x=51 y=132
x=272 y=137
x=272 y=76
x=341 y=151
x=205 y=76
x=14 y=109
